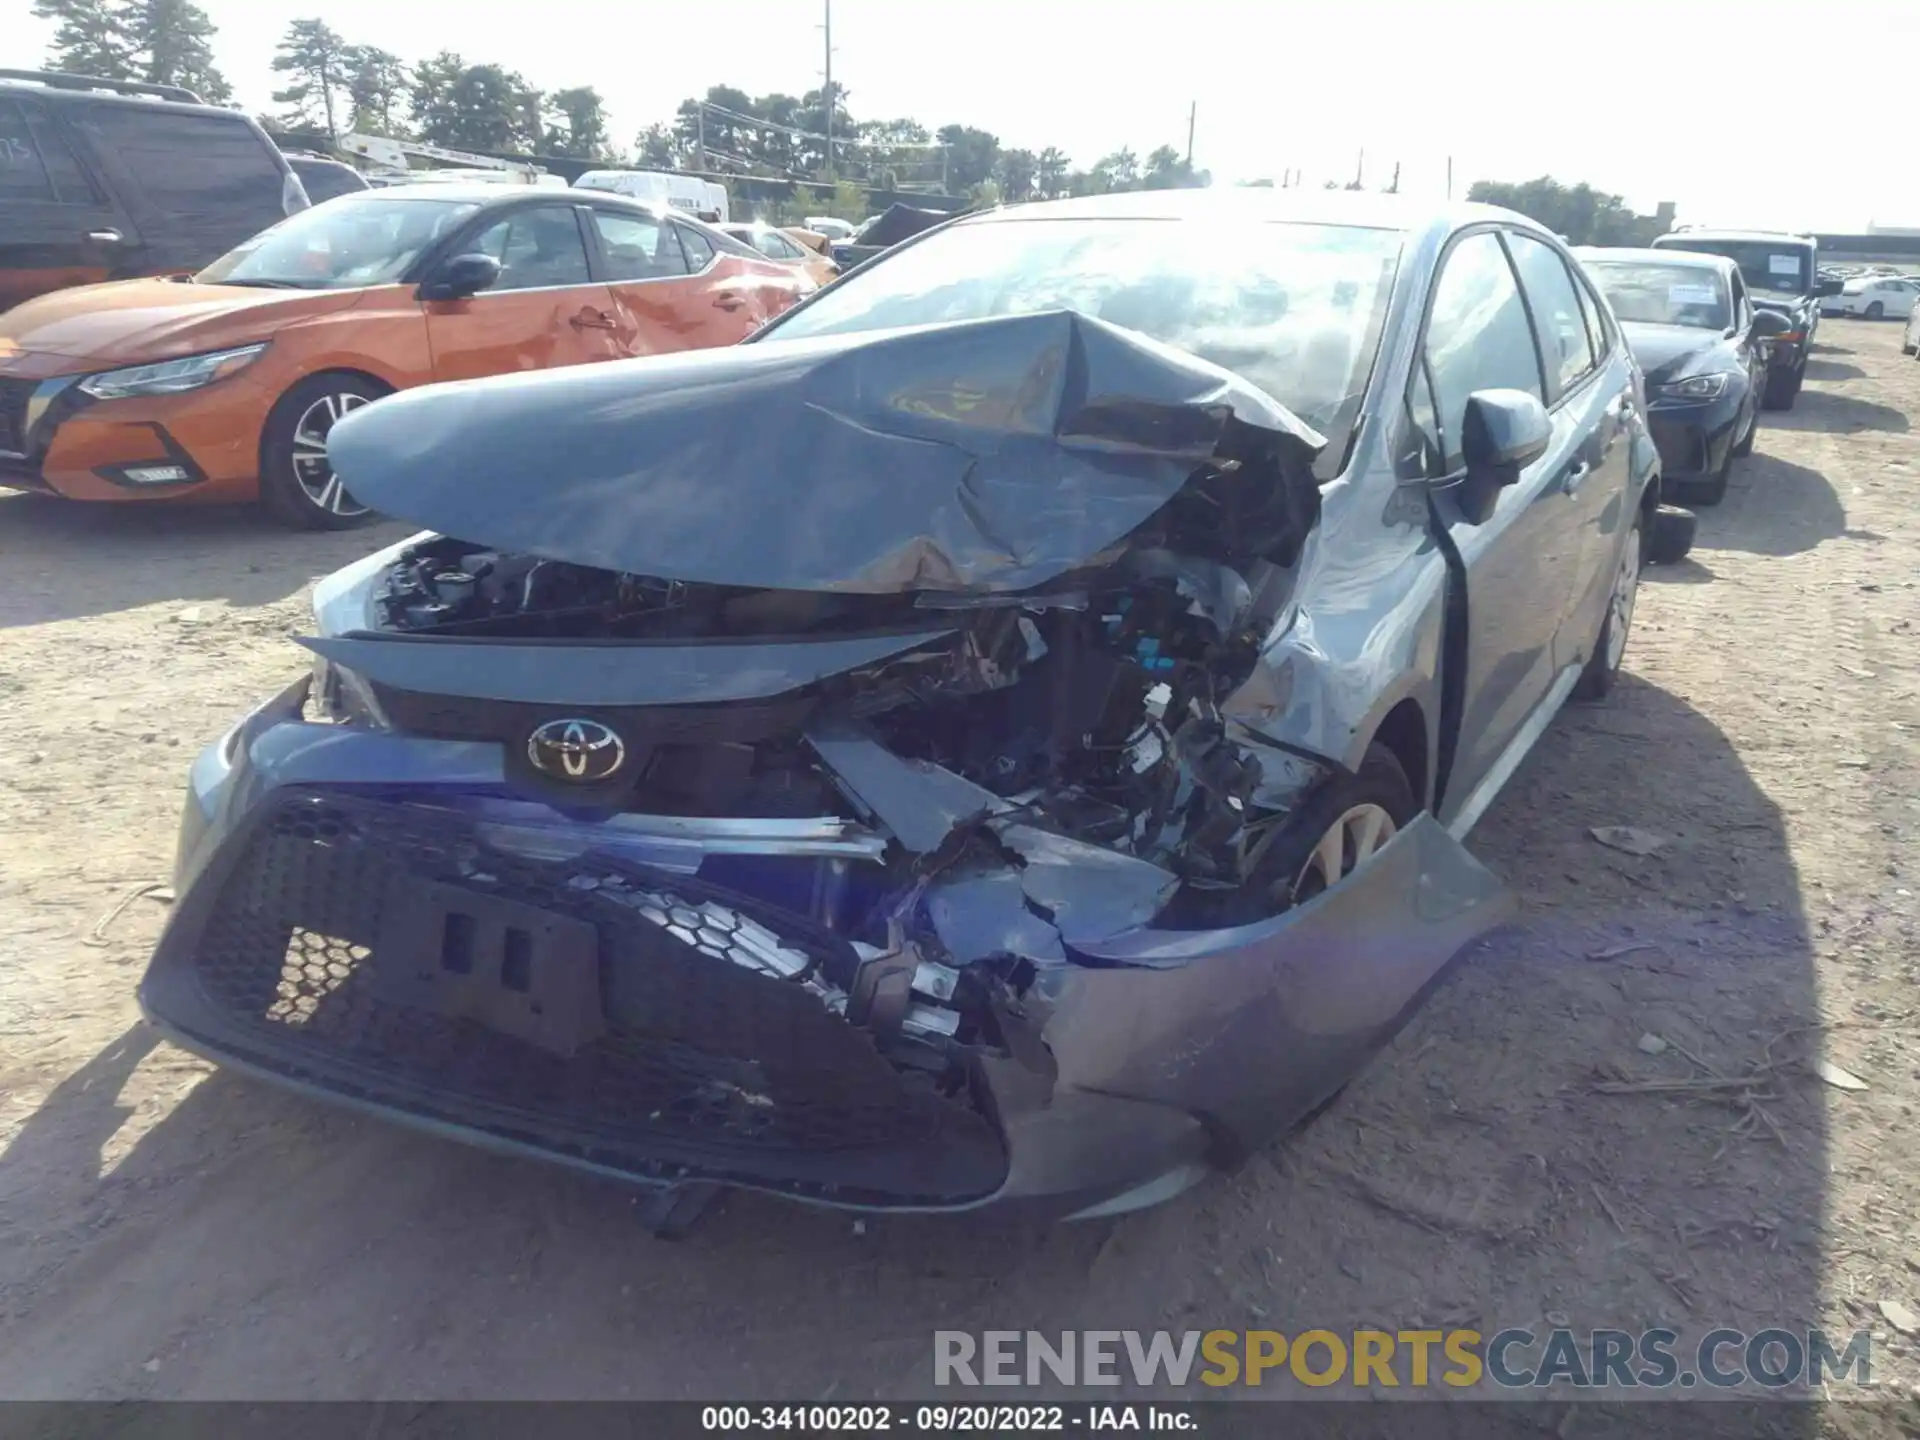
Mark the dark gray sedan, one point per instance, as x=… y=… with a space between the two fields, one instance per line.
x=1005 y=734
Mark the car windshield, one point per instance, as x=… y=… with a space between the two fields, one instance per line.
x=362 y=239
x=1295 y=309
x=1778 y=265
x=1665 y=294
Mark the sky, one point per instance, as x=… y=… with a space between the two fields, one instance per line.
x=1675 y=101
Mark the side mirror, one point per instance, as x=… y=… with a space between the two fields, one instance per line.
x=1768 y=323
x=1824 y=288
x=461 y=276
x=1503 y=432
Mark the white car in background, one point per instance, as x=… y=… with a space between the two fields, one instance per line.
x=1874 y=297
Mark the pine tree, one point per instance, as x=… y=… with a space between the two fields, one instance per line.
x=91 y=38
x=315 y=58
x=173 y=45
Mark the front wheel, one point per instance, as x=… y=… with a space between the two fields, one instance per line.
x=1876 y=311
x=1783 y=387
x=1610 y=645
x=1744 y=446
x=297 y=482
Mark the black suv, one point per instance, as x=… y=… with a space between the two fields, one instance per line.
x=107 y=179
x=1782 y=272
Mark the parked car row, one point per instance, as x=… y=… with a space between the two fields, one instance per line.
x=224 y=385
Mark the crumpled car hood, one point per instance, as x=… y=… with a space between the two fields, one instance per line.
x=990 y=455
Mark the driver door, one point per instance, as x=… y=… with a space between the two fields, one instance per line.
x=1523 y=559
x=545 y=310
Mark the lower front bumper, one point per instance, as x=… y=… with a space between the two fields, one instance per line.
x=295 y=953
x=1694 y=439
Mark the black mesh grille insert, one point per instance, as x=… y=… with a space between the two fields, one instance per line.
x=687 y=1064
x=14 y=395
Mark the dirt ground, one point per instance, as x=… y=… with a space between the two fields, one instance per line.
x=171 y=1231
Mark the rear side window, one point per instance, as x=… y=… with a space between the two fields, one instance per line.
x=699 y=253
x=36 y=162
x=1566 y=348
x=189 y=165
x=638 y=247
x=23 y=176
x=1478 y=336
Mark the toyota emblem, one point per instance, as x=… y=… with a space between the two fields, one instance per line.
x=581 y=750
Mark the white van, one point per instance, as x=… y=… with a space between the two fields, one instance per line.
x=701 y=198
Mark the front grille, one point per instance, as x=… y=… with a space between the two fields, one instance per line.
x=691 y=1065
x=14 y=395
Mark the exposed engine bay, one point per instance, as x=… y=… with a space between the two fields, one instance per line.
x=1091 y=707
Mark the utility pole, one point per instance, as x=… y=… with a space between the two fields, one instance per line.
x=1394 y=188
x=1360 y=170
x=828 y=92
x=1192 y=111
x=700 y=145
x=1449 y=177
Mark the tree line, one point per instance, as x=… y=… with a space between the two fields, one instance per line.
x=330 y=84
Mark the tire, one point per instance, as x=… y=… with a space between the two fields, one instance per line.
x=1744 y=447
x=297 y=487
x=1300 y=860
x=1670 y=540
x=1713 y=489
x=1287 y=872
x=1876 y=311
x=1782 y=387
x=1610 y=645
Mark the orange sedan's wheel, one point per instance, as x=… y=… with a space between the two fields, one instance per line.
x=297 y=483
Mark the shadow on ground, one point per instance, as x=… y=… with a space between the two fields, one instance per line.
x=1772 y=507
x=1833 y=370
x=254 y=1244
x=65 y=560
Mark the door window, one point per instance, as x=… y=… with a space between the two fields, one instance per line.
x=190 y=165
x=1565 y=346
x=1478 y=336
x=538 y=249
x=637 y=246
x=23 y=176
x=36 y=162
x=698 y=251
x=779 y=247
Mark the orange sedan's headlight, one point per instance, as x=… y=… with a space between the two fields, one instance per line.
x=171 y=377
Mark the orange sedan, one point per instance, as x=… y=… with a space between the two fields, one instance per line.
x=222 y=386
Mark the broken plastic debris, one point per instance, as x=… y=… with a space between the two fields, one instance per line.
x=1652 y=1045
x=1629 y=840
x=1836 y=1077
x=1900 y=1317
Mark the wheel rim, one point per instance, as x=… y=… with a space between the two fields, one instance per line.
x=1348 y=843
x=1875 y=311
x=312 y=471
x=1626 y=585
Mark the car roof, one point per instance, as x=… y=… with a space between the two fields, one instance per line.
x=1764 y=236
x=501 y=196
x=1694 y=258
x=1249 y=203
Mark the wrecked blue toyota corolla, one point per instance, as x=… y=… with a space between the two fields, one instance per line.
x=1002 y=735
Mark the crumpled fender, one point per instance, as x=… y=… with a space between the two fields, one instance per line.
x=1254 y=1026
